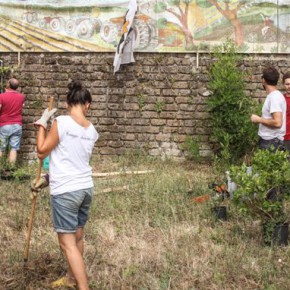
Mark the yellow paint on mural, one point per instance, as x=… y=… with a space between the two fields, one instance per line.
x=95 y=12
x=125 y=27
x=212 y=14
x=196 y=17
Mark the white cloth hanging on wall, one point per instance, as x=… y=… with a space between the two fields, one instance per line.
x=125 y=48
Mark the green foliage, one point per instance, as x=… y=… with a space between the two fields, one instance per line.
x=274 y=49
x=21 y=173
x=141 y=101
x=219 y=193
x=4 y=163
x=208 y=3
x=5 y=72
x=225 y=154
x=229 y=107
x=203 y=3
x=161 y=23
x=159 y=106
x=174 y=2
x=165 y=281
x=37 y=104
x=270 y=171
x=160 y=7
x=192 y=147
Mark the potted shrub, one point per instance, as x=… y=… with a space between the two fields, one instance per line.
x=262 y=193
x=219 y=195
x=217 y=198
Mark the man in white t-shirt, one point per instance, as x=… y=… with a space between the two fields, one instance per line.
x=272 y=123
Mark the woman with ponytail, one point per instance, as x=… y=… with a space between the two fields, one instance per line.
x=69 y=144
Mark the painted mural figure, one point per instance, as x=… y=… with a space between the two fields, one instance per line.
x=267 y=24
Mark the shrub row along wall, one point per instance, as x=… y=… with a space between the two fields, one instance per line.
x=152 y=105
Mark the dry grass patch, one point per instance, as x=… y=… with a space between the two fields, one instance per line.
x=149 y=236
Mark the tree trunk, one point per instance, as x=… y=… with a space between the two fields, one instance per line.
x=239 y=32
x=188 y=41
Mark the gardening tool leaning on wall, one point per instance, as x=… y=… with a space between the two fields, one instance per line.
x=49 y=113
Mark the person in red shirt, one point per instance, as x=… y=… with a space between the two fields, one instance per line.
x=286 y=83
x=11 y=104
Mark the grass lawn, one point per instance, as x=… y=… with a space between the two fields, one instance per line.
x=148 y=235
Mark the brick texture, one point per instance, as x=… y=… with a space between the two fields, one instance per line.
x=151 y=105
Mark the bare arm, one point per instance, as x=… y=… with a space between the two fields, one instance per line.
x=45 y=144
x=275 y=122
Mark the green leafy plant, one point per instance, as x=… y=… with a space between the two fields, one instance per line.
x=159 y=106
x=5 y=72
x=192 y=148
x=37 y=104
x=261 y=194
x=4 y=163
x=21 y=174
x=219 y=192
x=233 y=134
x=141 y=101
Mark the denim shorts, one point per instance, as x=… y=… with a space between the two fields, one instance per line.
x=10 y=134
x=70 y=210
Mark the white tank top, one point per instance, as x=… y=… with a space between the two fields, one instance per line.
x=69 y=168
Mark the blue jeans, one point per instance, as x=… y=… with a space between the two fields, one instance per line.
x=273 y=144
x=10 y=134
x=70 y=210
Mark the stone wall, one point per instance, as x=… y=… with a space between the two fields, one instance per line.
x=151 y=105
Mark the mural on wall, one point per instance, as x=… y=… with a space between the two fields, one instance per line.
x=161 y=26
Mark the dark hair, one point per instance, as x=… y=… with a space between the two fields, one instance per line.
x=271 y=75
x=77 y=94
x=13 y=84
x=286 y=76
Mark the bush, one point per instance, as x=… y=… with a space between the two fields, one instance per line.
x=192 y=148
x=232 y=131
x=262 y=193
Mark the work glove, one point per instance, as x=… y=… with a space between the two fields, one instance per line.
x=46 y=116
x=43 y=182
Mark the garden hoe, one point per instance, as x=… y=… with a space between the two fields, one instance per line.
x=30 y=223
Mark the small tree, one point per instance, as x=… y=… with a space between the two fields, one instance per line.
x=179 y=10
x=232 y=131
x=230 y=10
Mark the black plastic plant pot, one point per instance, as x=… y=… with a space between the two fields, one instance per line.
x=6 y=175
x=220 y=212
x=275 y=234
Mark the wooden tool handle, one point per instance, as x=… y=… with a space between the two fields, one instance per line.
x=30 y=223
